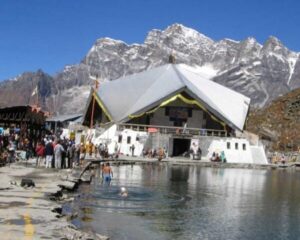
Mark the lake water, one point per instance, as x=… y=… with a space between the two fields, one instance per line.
x=192 y=202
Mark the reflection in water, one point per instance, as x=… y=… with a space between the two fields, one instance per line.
x=180 y=202
x=179 y=173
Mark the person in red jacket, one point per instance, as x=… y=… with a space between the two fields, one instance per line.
x=40 y=153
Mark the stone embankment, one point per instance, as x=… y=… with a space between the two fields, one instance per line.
x=28 y=212
x=126 y=160
x=186 y=161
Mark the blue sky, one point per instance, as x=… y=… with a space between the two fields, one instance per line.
x=48 y=34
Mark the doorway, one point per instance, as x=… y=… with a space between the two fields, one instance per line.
x=181 y=146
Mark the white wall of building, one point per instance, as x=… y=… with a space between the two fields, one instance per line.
x=111 y=137
x=237 y=150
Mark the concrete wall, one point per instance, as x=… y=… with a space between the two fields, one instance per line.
x=159 y=118
x=236 y=150
x=208 y=145
x=197 y=120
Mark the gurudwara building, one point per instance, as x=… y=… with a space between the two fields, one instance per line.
x=173 y=106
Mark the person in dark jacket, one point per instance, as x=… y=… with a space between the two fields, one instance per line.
x=70 y=154
x=49 y=154
x=199 y=153
x=64 y=154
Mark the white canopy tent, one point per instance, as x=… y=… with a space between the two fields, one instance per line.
x=138 y=93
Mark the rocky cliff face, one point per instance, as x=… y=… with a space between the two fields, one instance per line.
x=279 y=121
x=262 y=72
x=21 y=90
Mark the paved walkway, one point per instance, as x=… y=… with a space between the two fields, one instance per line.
x=25 y=213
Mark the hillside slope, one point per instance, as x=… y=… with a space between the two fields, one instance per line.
x=280 y=121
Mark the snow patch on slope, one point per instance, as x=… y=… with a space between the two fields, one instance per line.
x=207 y=70
x=292 y=63
x=231 y=40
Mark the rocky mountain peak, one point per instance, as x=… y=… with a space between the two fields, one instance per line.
x=19 y=91
x=273 y=41
x=250 y=41
x=274 y=45
x=262 y=72
x=108 y=41
x=35 y=77
x=177 y=33
x=40 y=73
x=249 y=48
x=152 y=36
x=181 y=30
x=229 y=41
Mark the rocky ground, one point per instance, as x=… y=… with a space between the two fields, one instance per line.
x=35 y=212
x=279 y=122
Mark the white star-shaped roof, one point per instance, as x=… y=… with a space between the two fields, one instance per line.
x=140 y=92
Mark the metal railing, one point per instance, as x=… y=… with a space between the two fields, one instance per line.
x=173 y=130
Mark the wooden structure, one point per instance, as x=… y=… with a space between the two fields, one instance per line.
x=27 y=118
x=56 y=123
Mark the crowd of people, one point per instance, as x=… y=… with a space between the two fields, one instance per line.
x=159 y=153
x=216 y=157
x=50 y=151
x=283 y=158
x=195 y=152
x=10 y=142
x=66 y=154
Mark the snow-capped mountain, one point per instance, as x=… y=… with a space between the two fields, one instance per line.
x=260 y=71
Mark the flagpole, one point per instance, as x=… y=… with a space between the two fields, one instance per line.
x=37 y=96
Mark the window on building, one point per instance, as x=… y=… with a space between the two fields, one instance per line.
x=190 y=112
x=167 y=110
x=244 y=146
x=228 y=145
x=120 y=139
x=204 y=115
x=128 y=139
x=236 y=146
x=137 y=138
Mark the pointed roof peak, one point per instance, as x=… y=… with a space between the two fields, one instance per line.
x=140 y=92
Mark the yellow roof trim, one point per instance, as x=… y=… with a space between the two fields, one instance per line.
x=185 y=100
x=102 y=106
